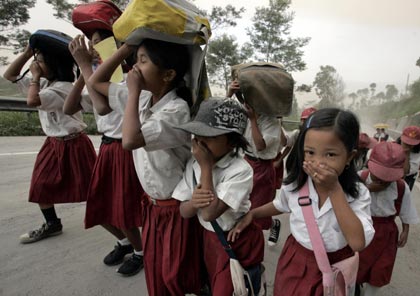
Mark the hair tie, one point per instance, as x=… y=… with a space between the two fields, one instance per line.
x=308 y=124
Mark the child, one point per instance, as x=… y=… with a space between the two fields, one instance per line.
x=410 y=141
x=113 y=198
x=365 y=143
x=64 y=164
x=153 y=109
x=390 y=198
x=262 y=133
x=216 y=186
x=322 y=157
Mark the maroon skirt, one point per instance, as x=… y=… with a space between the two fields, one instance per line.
x=378 y=258
x=172 y=251
x=297 y=271
x=115 y=192
x=62 y=171
x=249 y=250
x=264 y=186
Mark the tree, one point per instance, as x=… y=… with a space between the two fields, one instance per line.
x=372 y=87
x=353 y=98
x=418 y=63
x=390 y=92
x=269 y=36
x=329 y=86
x=224 y=52
x=415 y=89
x=304 y=88
x=13 y=13
x=224 y=17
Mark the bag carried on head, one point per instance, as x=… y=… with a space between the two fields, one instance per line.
x=51 y=42
x=90 y=17
x=338 y=279
x=266 y=87
x=176 y=21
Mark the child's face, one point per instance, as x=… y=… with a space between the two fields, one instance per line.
x=153 y=77
x=39 y=58
x=324 y=147
x=96 y=38
x=218 y=146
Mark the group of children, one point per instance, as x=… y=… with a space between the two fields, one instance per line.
x=171 y=175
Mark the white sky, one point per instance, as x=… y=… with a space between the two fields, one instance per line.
x=365 y=40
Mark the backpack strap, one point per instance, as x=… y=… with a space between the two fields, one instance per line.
x=401 y=191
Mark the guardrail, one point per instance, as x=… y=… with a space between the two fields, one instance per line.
x=15 y=104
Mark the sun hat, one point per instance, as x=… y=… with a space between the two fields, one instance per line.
x=386 y=161
x=365 y=142
x=217 y=116
x=411 y=135
x=307 y=112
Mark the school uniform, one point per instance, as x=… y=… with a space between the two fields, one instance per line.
x=264 y=181
x=377 y=260
x=410 y=178
x=297 y=271
x=115 y=192
x=232 y=179
x=169 y=241
x=64 y=164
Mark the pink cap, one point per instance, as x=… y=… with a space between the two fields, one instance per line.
x=386 y=161
x=411 y=135
x=366 y=142
x=307 y=112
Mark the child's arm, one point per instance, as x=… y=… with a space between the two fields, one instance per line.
x=13 y=71
x=131 y=129
x=72 y=101
x=267 y=210
x=257 y=136
x=99 y=80
x=404 y=235
x=33 y=98
x=201 y=198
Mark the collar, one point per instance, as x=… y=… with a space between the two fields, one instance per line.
x=147 y=103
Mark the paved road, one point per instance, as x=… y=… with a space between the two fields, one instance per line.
x=71 y=264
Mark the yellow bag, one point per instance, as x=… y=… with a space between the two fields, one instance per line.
x=176 y=21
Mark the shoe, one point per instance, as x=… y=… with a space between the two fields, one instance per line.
x=116 y=256
x=132 y=266
x=274 y=232
x=46 y=230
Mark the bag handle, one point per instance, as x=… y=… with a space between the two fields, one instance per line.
x=315 y=236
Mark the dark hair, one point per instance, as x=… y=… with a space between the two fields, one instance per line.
x=237 y=141
x=103 y=33
x=61 y=67
x=346 y=126
x=167 y=55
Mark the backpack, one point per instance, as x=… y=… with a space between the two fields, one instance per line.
x=400 y=189
x=51 y=42
x=176 y=21
x=266 y=87
x=92 y=16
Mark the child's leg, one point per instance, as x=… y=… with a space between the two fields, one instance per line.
x=122 y=248
x=133 y=265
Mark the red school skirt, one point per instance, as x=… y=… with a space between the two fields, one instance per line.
x=378 y=258
x=115 y=192
x=172 y=250
x=249 y=250
x=264 y=186
x=62 y=170
x=297 y=271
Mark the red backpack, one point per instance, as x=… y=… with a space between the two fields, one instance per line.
x=96 y=15
x=400 y=190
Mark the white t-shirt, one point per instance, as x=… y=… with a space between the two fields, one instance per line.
x=383 y=203
x=161 y=162
x=414 y=163
x=54 y=122
x=232 y=179
x=286 y=201
x=269 y=127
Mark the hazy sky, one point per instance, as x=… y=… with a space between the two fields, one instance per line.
x=365 y=40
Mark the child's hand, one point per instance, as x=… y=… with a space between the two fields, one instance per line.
x=28 y=52
x=322 y=175
x=36 y=70
x=135 y=80
x=252 y=115
x=233 y=88
x=201 y=198
x=202 y=154
x=239 y=227
x=79 y=51
x=403 y=239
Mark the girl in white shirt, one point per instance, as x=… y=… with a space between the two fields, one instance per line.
x=323 y=157
x=216 y=186
x=64 y=165
x=410 y=141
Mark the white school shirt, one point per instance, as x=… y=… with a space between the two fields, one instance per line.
x=161 y=162
x=414 y=163
x=286 y=201
x=110 y=124
x=292 y=137
x=232 y=179
x=383 y=203
x=54 y=122
x=269 y=127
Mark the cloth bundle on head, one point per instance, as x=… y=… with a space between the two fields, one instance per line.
x=411 y=135
x=386 y=161
x=217 y=116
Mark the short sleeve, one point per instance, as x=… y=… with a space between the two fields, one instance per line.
x=281 y=201
x=408 y=212
x=361 y=207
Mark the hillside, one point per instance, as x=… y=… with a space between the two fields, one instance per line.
x=8 y=89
